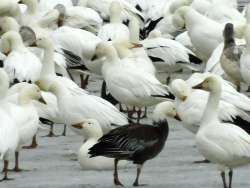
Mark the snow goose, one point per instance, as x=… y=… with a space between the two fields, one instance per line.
x=115 y=29
x=8 y=129
x=224 y=144
x=167 y=53
x=92 y=131
x=20 y=64
x=199 y=30
x=230 y=58
x=8 y=140
x=76 y=104
x=128 y=84
x=24 y=113
x=78 y=44
x=67 y=91
x=79 y=17
x=191 y=103
x=134 y=142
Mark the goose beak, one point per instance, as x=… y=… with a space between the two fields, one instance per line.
x=33 y=44
x=94 y=58
x=136 y=45
x=177 y=117
x=184 y=98
x=199 y=86
x=41 y=100
x=78 y=125
x=6 y=53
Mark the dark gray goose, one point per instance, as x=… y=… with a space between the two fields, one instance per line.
x=135 y=142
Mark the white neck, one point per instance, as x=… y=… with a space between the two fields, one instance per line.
x=48 y=67
x=134 y=30
x=211 y=111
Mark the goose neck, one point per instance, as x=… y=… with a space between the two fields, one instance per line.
x=48 y=67
x=211 y=111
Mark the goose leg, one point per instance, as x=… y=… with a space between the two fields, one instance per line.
x=64 y=130
x=116 y=178
x=223 y=179
x=5 y=170
x=136 y=183
x=84 y=81
x=51 y=131
x=230 y=178
x=16 y=168
x=145 y=112
x=33 y=144
x=138 y=115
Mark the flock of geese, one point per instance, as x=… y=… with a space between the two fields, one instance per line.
x=49 y=49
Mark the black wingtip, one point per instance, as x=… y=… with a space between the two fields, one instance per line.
x=194 y=59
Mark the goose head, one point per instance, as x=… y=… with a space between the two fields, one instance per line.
x=44 y=43
x=11 y=41
x=179 y=17
x=180 y=89
x=28 y=35
x=8 y=24
x=210 y=83
x=228 y=33
x=89 y=128
x=62 y=11
x=30 y=92
x=164 y=110
x=105 y=49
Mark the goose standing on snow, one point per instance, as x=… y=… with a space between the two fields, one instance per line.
x=134 y=142
x=226 y=145
x=230 y=58
x=92 y=131
x=21 y=64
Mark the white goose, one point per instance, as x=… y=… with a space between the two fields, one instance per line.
x=128 y=84
x=24 y=113
x=8 y=24
x=66 y=91
x=199 y=30
x=190 y=105
x=8 y=130
x=21 y=64
x=226 y=145
x=92 y=131
x=115 y=29
x=80 y=17
x=169 y=54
